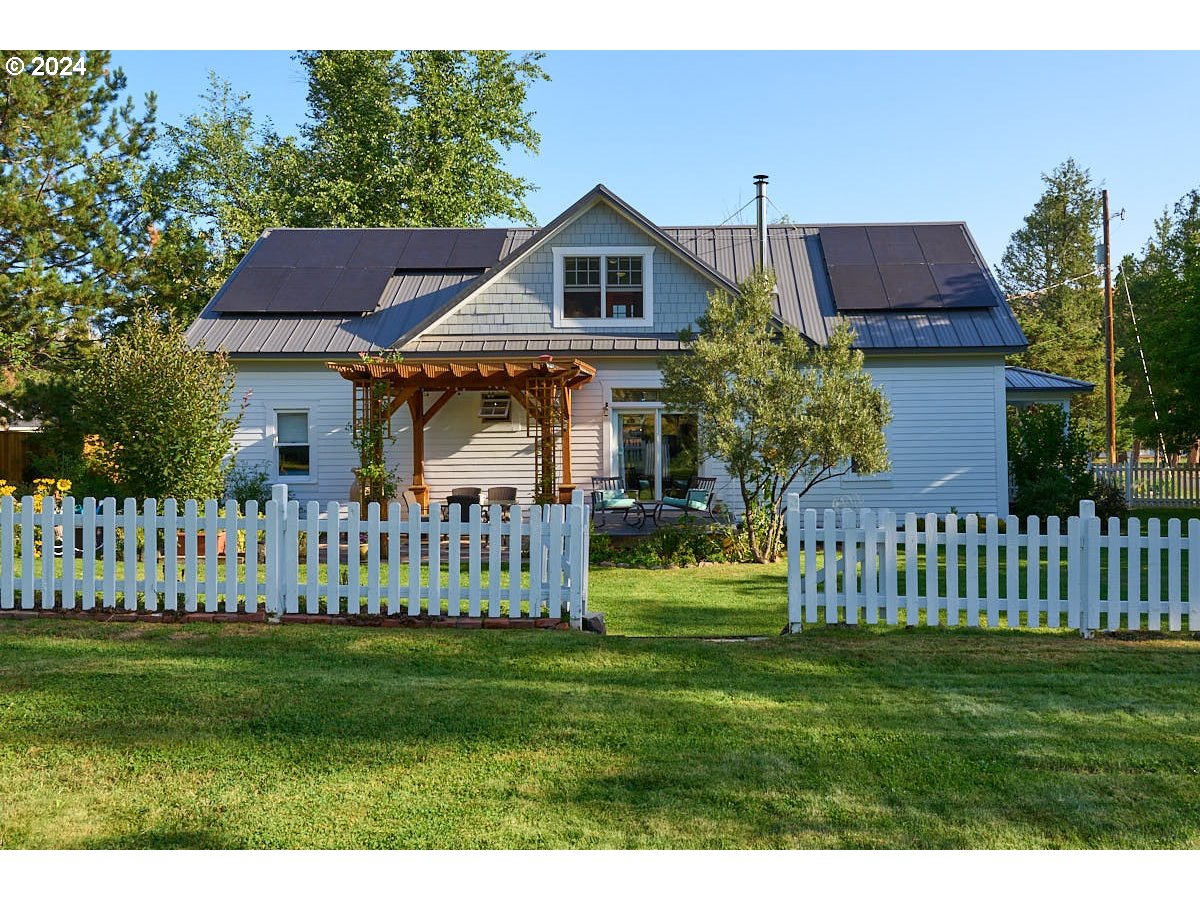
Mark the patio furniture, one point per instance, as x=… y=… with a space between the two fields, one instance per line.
x=505 y=496
x=699 y=499
x=465 y=491
x=610 y=495
x=459 y=506
x=406 y=499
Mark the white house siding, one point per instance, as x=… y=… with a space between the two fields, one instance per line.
x=946 y=440
x=298 y=385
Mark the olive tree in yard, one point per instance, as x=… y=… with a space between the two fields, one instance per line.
x=779 y=414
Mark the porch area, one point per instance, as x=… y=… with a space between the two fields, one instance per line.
x=542 y=388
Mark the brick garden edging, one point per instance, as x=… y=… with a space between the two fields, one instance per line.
x=361 y=621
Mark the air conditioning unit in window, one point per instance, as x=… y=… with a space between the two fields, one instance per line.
x=495 y=407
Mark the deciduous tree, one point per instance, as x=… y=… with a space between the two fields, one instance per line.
x=160 y=408
x=1164 y=289
x=779 y=414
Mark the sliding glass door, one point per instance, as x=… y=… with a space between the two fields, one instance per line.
x=657 y=453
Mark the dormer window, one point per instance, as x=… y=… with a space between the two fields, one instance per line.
x=610 y=285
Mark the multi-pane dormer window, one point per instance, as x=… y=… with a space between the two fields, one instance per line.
x=596 y=285
x=623 y=287
x=583 y=295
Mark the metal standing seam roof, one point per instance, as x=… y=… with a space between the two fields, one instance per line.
x=412 y=300
x=1018 y=378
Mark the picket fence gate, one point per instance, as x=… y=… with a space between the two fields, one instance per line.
x=868 y=566
x=1152 y=486
x=149 y=558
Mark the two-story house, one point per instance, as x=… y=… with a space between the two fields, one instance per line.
x=603 y=292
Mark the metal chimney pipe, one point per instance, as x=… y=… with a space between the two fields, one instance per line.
x=760 y=184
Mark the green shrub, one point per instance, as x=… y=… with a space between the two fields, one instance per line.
x=1048 y=459
x=245 y=483
x=1109 y=500
x=685 y=542
x=160 y=409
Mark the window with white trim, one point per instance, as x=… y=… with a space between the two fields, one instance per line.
x=613 y=285
x=292 y=448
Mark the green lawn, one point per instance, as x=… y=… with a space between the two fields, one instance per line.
x=147 y=735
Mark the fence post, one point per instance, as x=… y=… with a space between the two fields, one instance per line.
x=577 y=553
x=795 y=592
x=1129 y=478
x=1089 y=568
x=273 y=538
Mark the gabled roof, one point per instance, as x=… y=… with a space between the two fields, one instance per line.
x=412 y=300
x=1022 y=380
x=598 y=194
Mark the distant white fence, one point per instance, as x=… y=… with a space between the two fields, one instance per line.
x=950 y=570
x=528 y=562
x=1153 y=486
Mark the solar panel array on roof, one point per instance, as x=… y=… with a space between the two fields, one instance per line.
x=335 y=271
x=904 y=267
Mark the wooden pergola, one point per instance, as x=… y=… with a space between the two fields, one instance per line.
x=542 y=387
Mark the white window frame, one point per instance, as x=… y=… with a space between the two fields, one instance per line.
x=312 y=448
x=647 y=317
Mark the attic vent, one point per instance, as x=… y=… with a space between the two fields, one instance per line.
x=495 y=407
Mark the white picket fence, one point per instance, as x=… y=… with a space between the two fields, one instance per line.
x=1153 y=486
x=870 y=567
x=528 y=563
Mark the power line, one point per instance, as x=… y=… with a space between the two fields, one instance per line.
x=1145 y=370
x=1051 y=287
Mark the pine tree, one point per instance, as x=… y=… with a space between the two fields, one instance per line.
x=1060 y=311
x=73 y=235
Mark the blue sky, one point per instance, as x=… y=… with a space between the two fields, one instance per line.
x=866 y=136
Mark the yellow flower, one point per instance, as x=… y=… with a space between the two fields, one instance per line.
x=64 y=484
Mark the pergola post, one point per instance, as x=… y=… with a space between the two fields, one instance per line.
x=416 y=408
x=567 y=486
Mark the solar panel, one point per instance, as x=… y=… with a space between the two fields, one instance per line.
x=379 y=247
x=963 y=286
x=858 y=287
x=357 y=290
x=846 y=245
x=427 y=249
x=905 y=267
x=910 y=287
x=280 y=247
x=331 y=249
x=944 y=244
x=477 y=249
x=895 y=245
x=304 y=291
x=252 y=289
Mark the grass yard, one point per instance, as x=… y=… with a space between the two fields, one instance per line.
x=199 y=735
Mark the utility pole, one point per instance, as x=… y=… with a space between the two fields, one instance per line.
x=1110 y=377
